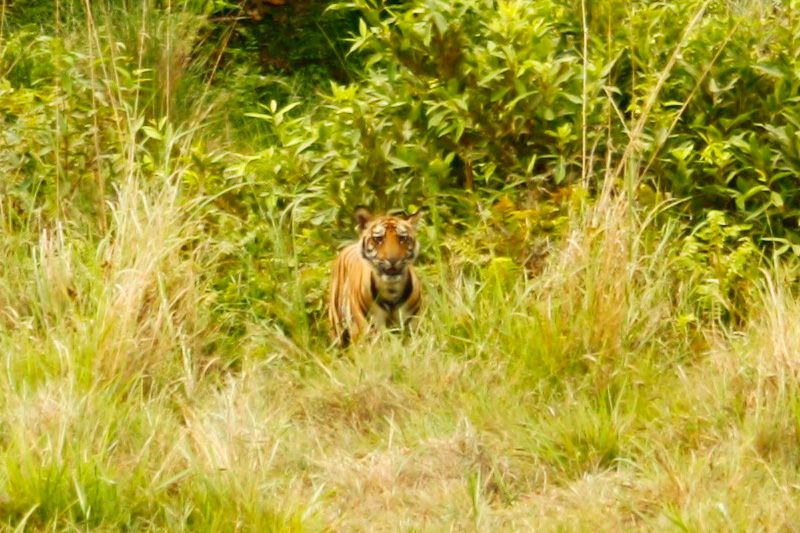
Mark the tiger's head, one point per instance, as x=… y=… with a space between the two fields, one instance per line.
x=388 y=242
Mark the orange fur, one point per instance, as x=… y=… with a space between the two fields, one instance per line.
x=374 y=282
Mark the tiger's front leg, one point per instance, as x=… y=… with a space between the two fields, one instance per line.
x=356 y=326
x=375 y=320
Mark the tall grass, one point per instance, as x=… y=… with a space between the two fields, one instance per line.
x=593 y=394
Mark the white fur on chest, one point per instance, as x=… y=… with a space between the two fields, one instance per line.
x=390 y=290
x=391 y=287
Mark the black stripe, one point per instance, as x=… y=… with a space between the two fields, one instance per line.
x=364 y=249
x=373 y=288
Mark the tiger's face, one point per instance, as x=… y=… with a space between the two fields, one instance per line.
x=388 y=242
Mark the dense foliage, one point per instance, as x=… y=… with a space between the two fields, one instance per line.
x=609 y=268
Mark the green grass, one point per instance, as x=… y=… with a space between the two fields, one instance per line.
x=572 y=400
x=164 y=364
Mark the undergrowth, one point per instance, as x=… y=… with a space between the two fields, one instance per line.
x=596 y=351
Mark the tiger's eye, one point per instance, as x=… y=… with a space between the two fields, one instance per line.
x=378 y=239
x=404 y=239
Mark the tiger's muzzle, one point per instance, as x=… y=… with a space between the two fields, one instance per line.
x=393 y=270
x=389 y=267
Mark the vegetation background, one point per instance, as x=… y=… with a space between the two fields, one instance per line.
x=612 y=331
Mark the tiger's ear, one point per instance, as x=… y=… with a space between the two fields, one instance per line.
x=363 y=216
x=415 y=217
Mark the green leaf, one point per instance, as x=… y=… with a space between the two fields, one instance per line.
x=440 y=22
x=152 y=133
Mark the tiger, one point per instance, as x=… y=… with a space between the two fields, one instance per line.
x=374 y=283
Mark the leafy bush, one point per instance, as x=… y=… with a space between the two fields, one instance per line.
x=477 y=109
x=491 y=113
x=735 y=145
x=721 y=263
x=698 y=98
x=470 y=94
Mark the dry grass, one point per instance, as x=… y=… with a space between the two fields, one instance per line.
x=576 y=403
